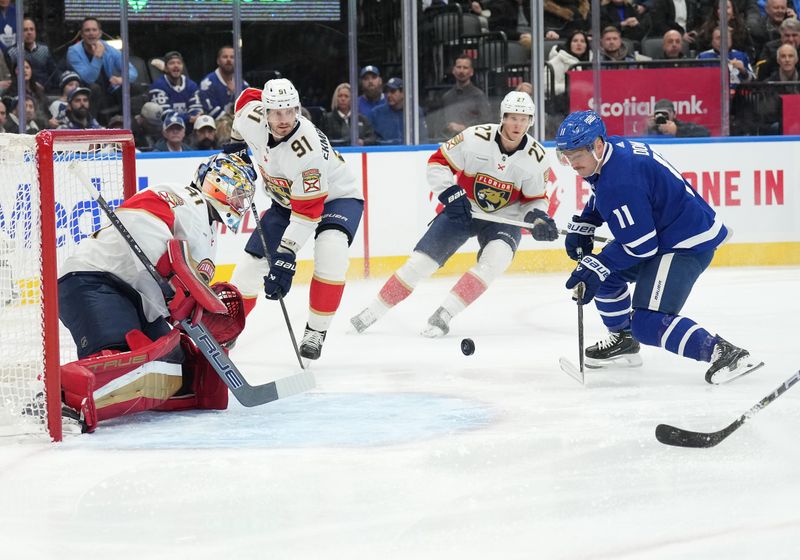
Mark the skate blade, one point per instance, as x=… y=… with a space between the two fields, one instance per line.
x=750 y=369
x=625 y=360
x=570 y=369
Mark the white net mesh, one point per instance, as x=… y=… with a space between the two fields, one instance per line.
x=22 y=250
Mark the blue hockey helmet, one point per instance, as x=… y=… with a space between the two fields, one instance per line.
x=579 y=130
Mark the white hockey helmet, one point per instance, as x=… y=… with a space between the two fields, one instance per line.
x=227 y=182
x=518 y=102
x=280 y=93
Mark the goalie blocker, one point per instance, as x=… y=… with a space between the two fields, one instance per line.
x=167 y=374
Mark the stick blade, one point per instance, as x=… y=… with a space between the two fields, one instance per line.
x=678 y=437
x=570 y=369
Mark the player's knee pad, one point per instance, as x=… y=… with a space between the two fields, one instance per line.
x=203 y=387
x=418 y=266
x=330 y=255
x=248 y=276
x=494 y=259
x=110 y=385
x=649 y=326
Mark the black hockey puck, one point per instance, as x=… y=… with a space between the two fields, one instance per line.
x=467 y=347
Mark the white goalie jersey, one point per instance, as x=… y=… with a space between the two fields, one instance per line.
x=300 y=171
x=496 y=182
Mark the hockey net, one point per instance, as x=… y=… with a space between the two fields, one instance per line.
x=45 y=211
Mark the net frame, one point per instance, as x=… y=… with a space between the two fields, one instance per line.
x=47 y=144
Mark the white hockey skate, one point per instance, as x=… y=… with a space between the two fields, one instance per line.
x=438 y=324
x=311 y=345
x=620 y=349
x=364 y=320
x=729 y=362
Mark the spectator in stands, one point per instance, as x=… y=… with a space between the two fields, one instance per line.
x=336 y=123
x=3 y=115
x=58 y=108
x=768 y=27
x=789 y=35
x=681 y=15
x=37 y=54
x=33 y=89
x=573 y=50
x=204 y=134
x=176 y=92
x=146 y=126
x=387 y=119
x=12 y=120
x=99 y=65
x=174 y=132
x=623 y=15
x=562 y=17
x=5 y=76
x=372 y=90
x=787 y=70
x=672 y=45
x=79 y=116
x=8 y=26
x=663 y=123
x=611 y=46
x=525 y=87
x=217 y=89
x=512 y=17
x=117 y=121
x=465 y=104
x=738 y=63
x=740 y=36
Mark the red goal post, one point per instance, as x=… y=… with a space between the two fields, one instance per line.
x=45 y=212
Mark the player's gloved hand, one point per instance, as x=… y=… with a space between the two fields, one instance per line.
x=278 y=280
x=456 y=205
x=238 y=149
x=579 y=236
x=591 y=271
x=544 y=228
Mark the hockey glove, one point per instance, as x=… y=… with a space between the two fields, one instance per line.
x=544 y=228
x=591 y=271
x=237 y=149
x=456 y=205
x=278 y=280
x=579 y=236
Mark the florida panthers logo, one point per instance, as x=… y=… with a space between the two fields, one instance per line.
x=277 y=188
x=492 y=194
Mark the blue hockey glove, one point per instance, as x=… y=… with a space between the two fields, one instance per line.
x=579 y=236
x=456 y=205
x=544 y=228
x=238 y=149
x=591 y=271
x=278 y=280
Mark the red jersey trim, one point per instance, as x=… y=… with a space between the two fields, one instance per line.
x=248 y=95
x=153 y=204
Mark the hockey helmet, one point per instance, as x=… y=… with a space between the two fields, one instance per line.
x=228 y=184
x=280 y=93
x=518 y=102
x=579 y=130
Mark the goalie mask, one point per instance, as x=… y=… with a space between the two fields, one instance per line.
x=228 y=184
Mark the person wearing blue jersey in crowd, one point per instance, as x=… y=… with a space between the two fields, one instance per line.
x=217 y=88
x=665 y=236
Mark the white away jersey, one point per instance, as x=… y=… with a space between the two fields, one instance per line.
x=509 y=185
x=153 y=217
x=300 y=172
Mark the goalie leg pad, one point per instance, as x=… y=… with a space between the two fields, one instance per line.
x=111 y=385
x=207 y=391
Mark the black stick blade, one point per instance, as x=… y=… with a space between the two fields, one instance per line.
x=670 y=435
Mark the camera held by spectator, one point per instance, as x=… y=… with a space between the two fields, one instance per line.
x=664 y=123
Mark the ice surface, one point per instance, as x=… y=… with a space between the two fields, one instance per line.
x=408 y=449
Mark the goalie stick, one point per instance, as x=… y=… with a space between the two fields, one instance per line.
x=248 y=395
x=500 y=220
x=670 y=435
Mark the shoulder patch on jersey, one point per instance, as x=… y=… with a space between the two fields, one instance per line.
x=311 y=181
x=454 y=141
x=621 y=144
x=170 y=198
x=492 y=194
x=248 y=95
x=206 y=270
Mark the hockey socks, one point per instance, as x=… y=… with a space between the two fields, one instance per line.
x=679 y=335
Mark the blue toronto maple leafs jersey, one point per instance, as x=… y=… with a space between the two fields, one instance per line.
x=183 y=99
x=648 y=206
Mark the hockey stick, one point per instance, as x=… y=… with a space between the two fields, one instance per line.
x=670 y=435
x=500 y=220
x=566 y=366
x=248 y=395
x=257 y=218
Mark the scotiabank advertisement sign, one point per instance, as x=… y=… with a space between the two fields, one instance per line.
x=628 y=97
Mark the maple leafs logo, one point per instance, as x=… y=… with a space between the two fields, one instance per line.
x=137 y=5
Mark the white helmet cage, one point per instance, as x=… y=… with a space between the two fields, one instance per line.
x=518 y=102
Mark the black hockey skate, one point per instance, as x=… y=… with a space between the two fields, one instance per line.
x=619 y=349
x=311 y=345
x=729 y=362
